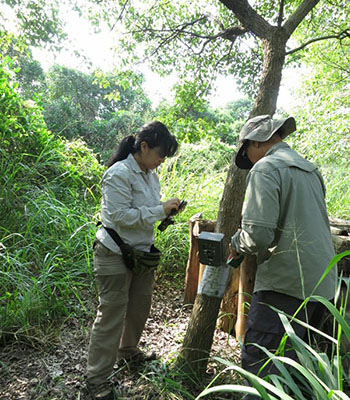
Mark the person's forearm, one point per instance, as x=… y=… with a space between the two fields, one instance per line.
x=252 y=239
x=137 y=217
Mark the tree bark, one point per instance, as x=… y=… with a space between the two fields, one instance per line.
x=274 y=57
x=229 y=215
x=229 y=304
x=194 y=354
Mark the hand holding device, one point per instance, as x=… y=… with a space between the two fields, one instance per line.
x=169 y=220
x=234 y=259
x=182 y=205
x=234 y=262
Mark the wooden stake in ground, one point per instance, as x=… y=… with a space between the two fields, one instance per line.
x=246 y=286
x=194 y=268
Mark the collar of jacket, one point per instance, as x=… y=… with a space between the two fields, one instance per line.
x=135 y=166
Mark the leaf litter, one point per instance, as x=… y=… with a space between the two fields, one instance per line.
x=56 y=371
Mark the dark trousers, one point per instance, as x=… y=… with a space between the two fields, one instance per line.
x=265 y=328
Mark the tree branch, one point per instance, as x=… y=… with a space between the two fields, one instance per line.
x=280 y=14
x=229 y=33
x=232 y=33
x=226 y=56
x=301 y=12
x=120 y=15
x=248 y=17
x=122 y=11
x=340 y=36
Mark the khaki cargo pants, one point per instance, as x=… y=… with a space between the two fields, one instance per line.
x=124 y=305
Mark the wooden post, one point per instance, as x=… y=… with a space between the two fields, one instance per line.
x=228 y=310
x=247 y=272
x=191 y=279
x=194 y=269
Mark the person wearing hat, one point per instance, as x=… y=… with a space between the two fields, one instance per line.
x=285 y=224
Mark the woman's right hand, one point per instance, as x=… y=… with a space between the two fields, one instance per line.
x=170 y=205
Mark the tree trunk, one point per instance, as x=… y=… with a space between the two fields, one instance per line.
x=194 y=354
x=199 y=336
x=229 y=215
x=274 y=57
x=228 y=221
x=232 y=200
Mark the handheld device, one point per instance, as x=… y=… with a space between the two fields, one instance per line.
x=181 y=205
x=234 y=262
x=169 y=220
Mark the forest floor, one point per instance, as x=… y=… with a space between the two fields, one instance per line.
x=55 y=371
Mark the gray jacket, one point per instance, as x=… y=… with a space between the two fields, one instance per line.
x=285 y=223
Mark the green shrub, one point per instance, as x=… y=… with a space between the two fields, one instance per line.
x=48 y=197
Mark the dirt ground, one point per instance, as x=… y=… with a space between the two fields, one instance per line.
x=56 y=371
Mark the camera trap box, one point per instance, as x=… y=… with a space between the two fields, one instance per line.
x=210 y=246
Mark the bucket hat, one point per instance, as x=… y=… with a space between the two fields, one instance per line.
x=261 y=129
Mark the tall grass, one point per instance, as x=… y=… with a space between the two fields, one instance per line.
x=337 y=179
x=45 y=267
x=197 y=174
x=45 y=264
x=48 y=199
x=318 y=373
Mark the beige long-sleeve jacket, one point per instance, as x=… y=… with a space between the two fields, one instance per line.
x=130 y=205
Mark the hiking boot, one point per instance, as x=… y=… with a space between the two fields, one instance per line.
x=138 y=359
x=101 y=391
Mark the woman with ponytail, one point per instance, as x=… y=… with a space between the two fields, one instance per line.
x=130 y=206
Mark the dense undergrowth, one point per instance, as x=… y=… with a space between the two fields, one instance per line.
x=48 y=196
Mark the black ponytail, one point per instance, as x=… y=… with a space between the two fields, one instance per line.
x=126 y=146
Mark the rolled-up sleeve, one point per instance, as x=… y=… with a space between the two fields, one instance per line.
x=260 y=214
x=253 y=239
